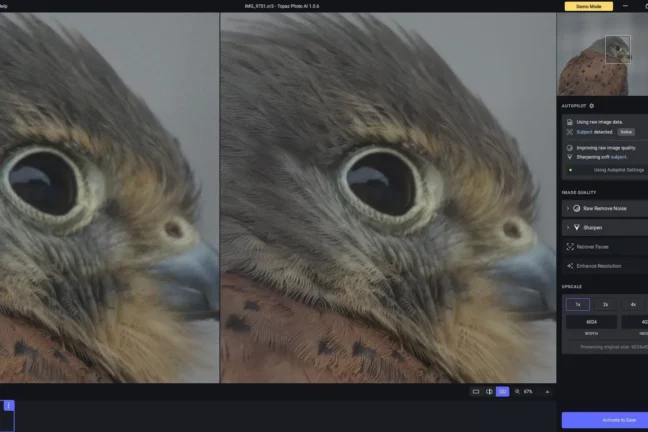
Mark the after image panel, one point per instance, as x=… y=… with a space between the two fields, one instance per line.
x=364 y=188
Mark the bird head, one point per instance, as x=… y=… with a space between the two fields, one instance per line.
x=361 y=176
x=97 y=238
x=614 y=47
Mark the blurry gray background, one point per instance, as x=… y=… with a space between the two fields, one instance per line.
x=172 y=61
x=509 y=60
x=577 y=31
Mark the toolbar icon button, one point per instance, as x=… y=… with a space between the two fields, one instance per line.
x=502 y=392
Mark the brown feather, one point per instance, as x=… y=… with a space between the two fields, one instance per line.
x=29 y=355
x=588 y=74
x=266 y=337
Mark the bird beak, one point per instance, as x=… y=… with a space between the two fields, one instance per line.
x=528 y=282
x=191 y=282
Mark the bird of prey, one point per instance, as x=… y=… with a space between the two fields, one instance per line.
x=376 y=220
x=100 y=264
x=600 y=70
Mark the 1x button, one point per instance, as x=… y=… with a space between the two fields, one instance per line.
x=577 y=304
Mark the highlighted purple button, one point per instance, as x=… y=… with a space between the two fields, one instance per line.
x=502 y=392
x=573 y=304
x=605 y=420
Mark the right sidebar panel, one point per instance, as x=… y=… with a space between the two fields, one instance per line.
x=602 y=81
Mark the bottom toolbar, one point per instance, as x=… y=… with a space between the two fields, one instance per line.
x=511 y=391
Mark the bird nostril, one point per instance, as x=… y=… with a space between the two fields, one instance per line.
x=173 y=230
x=512 y=230
x=178 y=233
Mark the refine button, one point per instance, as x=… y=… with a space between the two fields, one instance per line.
x=605 y=420
x=626 y=132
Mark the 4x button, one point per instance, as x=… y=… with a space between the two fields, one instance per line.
x=633 y=304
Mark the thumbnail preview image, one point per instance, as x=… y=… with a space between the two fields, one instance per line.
x=378 y=198
x=602 y=54
x=105 y=276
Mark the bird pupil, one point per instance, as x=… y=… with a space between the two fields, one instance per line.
x=384 y=182
x=45 y=181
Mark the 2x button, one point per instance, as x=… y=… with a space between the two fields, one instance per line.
x=606 y=304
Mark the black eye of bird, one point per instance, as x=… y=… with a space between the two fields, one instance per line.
x=617 y=48
x=46 y=182
x=384 y=182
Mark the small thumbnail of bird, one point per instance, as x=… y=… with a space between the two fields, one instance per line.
x=600 y=70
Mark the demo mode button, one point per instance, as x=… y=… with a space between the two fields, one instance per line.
x=604 y=420
x=589 y=6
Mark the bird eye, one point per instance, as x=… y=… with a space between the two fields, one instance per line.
x=618 y=48
x=390 y=191
x=51 y=188
x=384 y=182
x=58 y=192
x=45 y=181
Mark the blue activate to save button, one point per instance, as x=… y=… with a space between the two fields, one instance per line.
x=605 y=420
